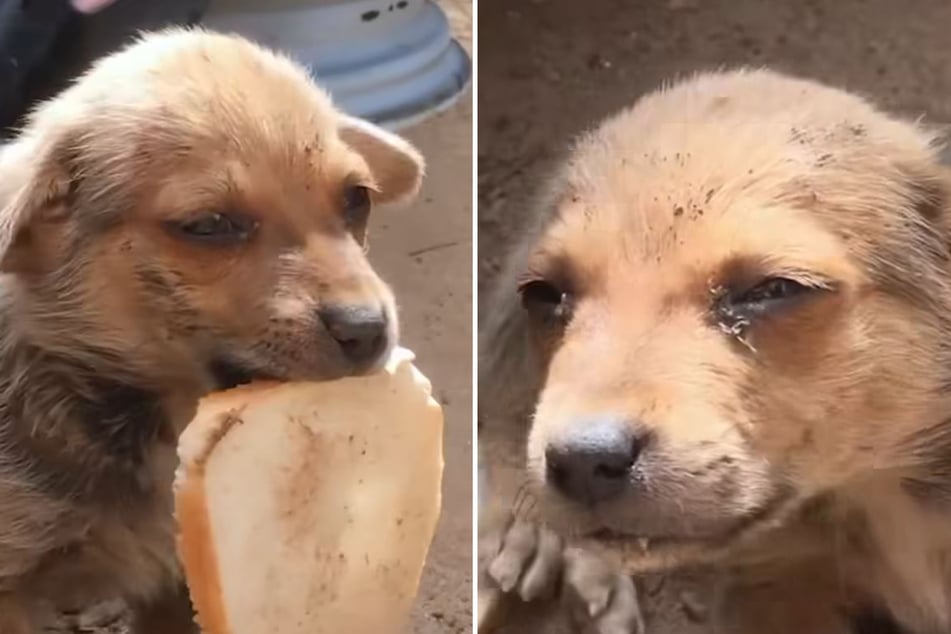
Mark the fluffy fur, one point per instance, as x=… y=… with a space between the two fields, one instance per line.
x=113 y=322
x=804 y=453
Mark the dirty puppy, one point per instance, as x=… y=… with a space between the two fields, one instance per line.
x=189 y=215
x=732 y=324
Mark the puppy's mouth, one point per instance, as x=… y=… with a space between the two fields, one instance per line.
x=608 y=536
x=665 y=552
x=228 y=374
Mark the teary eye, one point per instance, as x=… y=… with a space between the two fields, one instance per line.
x=545 y=301
x=356 y=207
x=215 y=228
x=771 y=294
x=734 y=312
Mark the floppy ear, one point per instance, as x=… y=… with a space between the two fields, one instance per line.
x=35 y=185
x=397 y=166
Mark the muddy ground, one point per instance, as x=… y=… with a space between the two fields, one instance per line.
x=551 y=68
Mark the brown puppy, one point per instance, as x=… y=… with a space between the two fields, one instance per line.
x=189 y=215
x=734 y=316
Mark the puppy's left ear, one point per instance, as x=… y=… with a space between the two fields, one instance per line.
x=35 y=187
x=397 y=166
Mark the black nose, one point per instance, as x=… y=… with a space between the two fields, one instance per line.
x=593 y=461
x=361 y=331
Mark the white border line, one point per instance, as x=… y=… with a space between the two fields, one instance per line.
x=475 y=305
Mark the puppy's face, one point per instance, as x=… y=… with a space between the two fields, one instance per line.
x=199 y=206
x=740 y=305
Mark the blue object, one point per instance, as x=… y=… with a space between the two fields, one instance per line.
x=393 y=63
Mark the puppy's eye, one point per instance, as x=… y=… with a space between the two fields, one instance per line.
x=767 y=296
x=215 y=228
x=546 y=301
x=356 y=206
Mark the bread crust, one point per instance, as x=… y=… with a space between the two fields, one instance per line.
x=196 y=544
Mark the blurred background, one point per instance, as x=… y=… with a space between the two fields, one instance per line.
x=393 y=62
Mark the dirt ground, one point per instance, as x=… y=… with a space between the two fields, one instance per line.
x=425 y=252
x=549 y=69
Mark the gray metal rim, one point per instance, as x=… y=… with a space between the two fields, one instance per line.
x=394 y=63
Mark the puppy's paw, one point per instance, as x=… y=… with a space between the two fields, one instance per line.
x=532 y=562
x=529 y=561
x=605 y=600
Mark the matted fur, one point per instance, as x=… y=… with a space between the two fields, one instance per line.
x=112 y=325
x=806 y=453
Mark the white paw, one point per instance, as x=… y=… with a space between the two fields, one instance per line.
x=604 y=599
x=529 y=562
x=533 y=563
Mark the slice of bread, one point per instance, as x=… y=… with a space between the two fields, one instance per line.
x=308 y=508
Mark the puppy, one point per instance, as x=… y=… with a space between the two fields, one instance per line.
x=732 y=326
x=190 y=215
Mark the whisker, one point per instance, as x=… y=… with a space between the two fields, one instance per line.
x=530 y=508
x=527 y=502
x=519 y=499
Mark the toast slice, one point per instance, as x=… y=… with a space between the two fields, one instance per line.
x=308 y=508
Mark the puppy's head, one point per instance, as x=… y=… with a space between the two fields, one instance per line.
x=195 y=206
x=740 y=301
